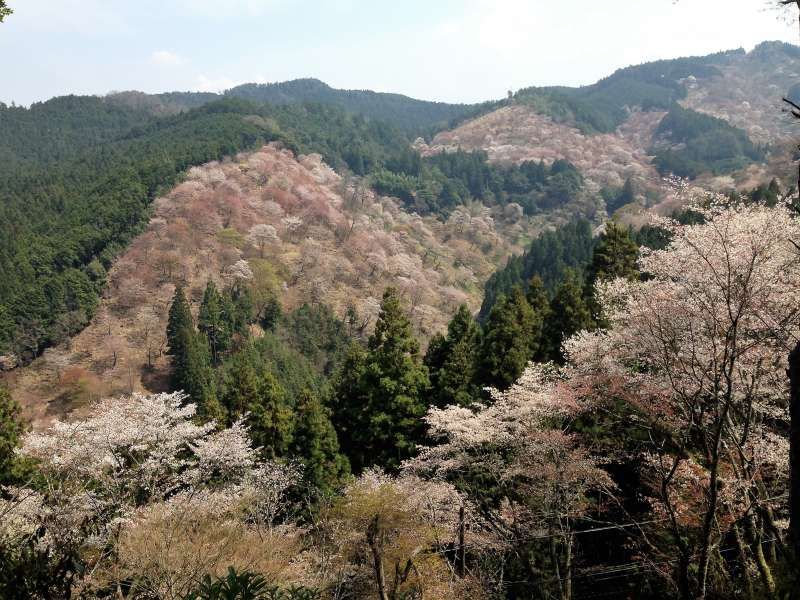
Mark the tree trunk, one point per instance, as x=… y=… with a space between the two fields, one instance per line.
x=377 y=557
x=462 y=550
x=794 y=453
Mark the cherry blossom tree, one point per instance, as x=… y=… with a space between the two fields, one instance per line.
x=521 y=443
x=401 y=525
x=261 y=235
x=702 y=341
x=139 y=468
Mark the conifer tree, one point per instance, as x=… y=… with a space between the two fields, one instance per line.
x=11 y=429
x=452 y=361
x=385 y=399
x=507 y=341
x=213 y=321
x=570 y=314
x=180 y=318
x=270 y=418
x=193 y=373
x=261 y=397
x=191 y=360
x=540 y=305
x=315 y=442
x=614 y=256
x=350 y=403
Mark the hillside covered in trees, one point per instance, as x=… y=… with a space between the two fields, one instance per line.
x=290 y=342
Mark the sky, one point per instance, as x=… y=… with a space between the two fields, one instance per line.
x=447 y=50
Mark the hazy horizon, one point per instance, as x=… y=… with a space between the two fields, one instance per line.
x=454 y=51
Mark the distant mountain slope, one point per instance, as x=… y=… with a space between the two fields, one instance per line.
x=398 y=110
x=705 y=117
x=306 y=234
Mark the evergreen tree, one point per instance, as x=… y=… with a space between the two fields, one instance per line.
x=270 y=418
x=11 y=429
x=540 y=304
x=241 y=385
x=241 y=311
x=570 y=314
x=350 y=403
x=510 y=336
x=261 y=397
x=316 y=444
x=193 y=373
x=214 y=320
x=191 y=360
x=385 y=398
x=452 y=361
x=180 y=319
x=614 y=256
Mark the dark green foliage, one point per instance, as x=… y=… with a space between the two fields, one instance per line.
x=381 y=393
x=245 y=585
x=349 y=407
x=540 y=304
x=615 y=255
x=570 y=313
x=11 y=430
x=316 y=445
x=694 y=143
x=603 y=106
x=315 y=332
x=192 y=369
x=4 y=10
x=549 y=256
x=180 y=319
x=252 y=389
x=510 y=339
x=452 y=362
x=400 y=111
x=440 y=183
x=216 y=321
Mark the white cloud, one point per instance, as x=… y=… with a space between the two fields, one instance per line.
x=165 y=58
x=229 y=8
x=204 y=83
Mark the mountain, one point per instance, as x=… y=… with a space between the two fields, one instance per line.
x=79 y=174
x=718 y=119
x=306 y=234
x=398 y=110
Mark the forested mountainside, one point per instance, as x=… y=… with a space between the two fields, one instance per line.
x=707 y=118
x=300 y=235
x=401 y=111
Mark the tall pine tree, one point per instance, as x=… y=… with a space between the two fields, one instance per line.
x=570 y=314
x=387 y=399
x=180 y=319
x=614 y=256
x=315 y=442
x=191 y=360
x=214 y=321
x=508 y=340
x=452 y=361
x=261 y=397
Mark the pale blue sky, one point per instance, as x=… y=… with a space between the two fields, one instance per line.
x=453 y=50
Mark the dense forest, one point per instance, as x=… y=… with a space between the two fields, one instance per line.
x=418 y=117
x=511 y=458
x=691 y=143
x=71 y=204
